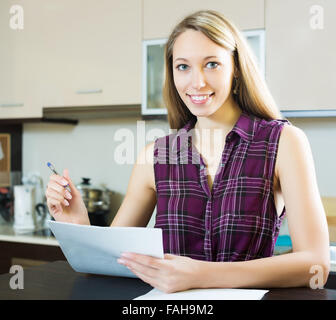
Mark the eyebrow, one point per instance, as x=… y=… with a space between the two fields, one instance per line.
x=208 y=57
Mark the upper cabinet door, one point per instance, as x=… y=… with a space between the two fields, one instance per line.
x=160 y=17
x=300 y=53
x=92 y=52
x=20 y=57
x=69 y=53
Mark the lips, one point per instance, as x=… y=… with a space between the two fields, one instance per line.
x=200 y=98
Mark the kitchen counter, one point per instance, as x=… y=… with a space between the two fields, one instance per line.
x=42 y=245
x=44 y=237
x=27 y=249
x=60 y=281
x=41 y=237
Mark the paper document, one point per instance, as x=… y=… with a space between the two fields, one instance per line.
x=92 y=249
x=205 y=294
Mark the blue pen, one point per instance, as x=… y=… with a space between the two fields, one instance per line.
x=52 y=168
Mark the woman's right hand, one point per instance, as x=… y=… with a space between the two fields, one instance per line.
x=62 y=205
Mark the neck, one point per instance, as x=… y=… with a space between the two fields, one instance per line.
x=224 y=118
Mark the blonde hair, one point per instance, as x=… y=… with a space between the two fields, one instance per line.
x=252 y=94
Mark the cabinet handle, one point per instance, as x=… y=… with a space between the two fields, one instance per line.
x=89 y=91
x=12 y=105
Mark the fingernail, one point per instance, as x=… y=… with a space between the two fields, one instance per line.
x=121 y=261
x=64 y=182
x=68 y=195
x=66 y=202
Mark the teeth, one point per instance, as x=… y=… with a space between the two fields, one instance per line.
x=199 y=98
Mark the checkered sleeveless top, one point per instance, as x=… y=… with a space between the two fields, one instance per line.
x=237 y=219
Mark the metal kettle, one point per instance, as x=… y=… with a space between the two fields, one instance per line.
x=95 y=198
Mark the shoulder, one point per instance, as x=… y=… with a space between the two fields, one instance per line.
x=293 y=147
x=267 y=130
x=145 y=156
x=292 y=138
x=144 y=168
x=283 y=130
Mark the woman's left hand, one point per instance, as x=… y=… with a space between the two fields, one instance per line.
x=171 y=274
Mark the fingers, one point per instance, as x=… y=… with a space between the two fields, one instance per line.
x=60 y=196
x=148 y=269
x=71 y=184
x=145 y=272
x=151 y=281
x=55 y=186
x=144 y=260
x=58 y=183
x=60 y=180
x=54 y=207
x=168 y=256
x=145 y=267
x=57 y=195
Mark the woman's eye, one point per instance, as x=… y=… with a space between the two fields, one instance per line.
x=212 y=65
x=182 y=67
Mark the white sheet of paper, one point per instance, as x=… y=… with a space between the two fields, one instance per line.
x=205 y=294
x=92 y=249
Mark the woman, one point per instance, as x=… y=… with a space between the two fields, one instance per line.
x=221 y=196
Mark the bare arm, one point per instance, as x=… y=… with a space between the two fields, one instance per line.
x=140 y=200
x=307 y=226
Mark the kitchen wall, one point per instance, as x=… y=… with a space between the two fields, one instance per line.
x=321 y=134
x=87 y=150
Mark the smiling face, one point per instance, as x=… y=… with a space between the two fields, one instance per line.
x=203 y=73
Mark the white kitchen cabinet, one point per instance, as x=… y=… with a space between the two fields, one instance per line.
x=160 y=17
x=69 y=53
x=301 y=53
x=20 y=70
x=92 y=52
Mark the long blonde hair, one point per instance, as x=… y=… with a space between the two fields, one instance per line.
x=252 y=94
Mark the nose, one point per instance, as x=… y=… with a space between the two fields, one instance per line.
x=198 y=79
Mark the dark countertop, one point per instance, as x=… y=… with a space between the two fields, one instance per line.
x=57 y=280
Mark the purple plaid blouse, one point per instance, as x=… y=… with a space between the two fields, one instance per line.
x=237 y=219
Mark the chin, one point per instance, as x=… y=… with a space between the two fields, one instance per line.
x=199 y=112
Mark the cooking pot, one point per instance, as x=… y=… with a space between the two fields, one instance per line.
x=95 y=198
